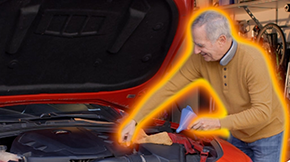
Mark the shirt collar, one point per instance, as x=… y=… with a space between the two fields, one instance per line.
x=230 y=54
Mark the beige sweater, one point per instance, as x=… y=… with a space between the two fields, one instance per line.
x=243 y=85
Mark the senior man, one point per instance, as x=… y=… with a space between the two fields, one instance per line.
x=239 y=74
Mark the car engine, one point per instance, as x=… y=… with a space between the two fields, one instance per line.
x=78 y=144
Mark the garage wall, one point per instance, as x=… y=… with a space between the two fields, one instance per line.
x=280 y=17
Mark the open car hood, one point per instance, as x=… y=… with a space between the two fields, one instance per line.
x=75 y=46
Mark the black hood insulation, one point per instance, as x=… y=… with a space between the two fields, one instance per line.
x=63 y=46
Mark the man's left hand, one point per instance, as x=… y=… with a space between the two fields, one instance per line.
x=206 y=124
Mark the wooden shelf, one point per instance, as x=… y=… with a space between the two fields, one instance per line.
x=255 y=6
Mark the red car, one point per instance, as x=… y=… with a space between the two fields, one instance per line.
x=72 y=69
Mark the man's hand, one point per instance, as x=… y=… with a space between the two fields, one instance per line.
x=6 y=156
x=127 y=133
x=206 y=124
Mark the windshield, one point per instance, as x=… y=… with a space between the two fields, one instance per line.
x=44 y=111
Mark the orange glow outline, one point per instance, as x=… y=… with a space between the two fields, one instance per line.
x=221 y=109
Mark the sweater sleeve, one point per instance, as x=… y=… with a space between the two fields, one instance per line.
x=260 y=91
x=184 y=76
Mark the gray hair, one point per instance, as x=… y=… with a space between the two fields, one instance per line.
x=215 y=25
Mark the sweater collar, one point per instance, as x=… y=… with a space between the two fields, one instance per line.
x=230 y=54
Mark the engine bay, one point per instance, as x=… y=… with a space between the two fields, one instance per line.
x=88 y=133
x=78 y=144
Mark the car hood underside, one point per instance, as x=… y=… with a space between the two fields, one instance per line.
x=61 y=46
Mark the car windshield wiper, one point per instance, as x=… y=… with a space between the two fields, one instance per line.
x=52 y=119
x=53 y=115
x=11 y=121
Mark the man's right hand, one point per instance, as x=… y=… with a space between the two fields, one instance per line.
x=127 y=133
x=6 y=156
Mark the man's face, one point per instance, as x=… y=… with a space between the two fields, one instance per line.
x=202 y=45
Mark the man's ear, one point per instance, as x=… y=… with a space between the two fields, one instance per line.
x=222 y=40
